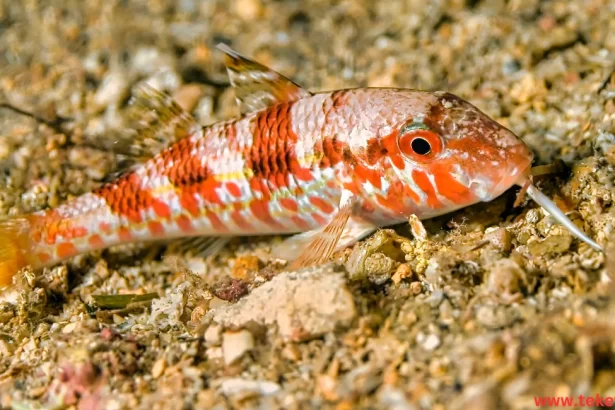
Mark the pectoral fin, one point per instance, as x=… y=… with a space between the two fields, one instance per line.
x=317 y=246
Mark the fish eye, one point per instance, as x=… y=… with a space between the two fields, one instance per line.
x=421 y=146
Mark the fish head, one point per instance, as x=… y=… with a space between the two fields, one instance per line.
x=448 y=154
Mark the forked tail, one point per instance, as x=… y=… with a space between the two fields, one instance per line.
x=15 y=248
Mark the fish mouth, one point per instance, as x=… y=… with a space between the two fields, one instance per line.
x=510 y=176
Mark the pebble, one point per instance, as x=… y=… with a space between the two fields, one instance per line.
x=248 y=9
x=417 y=228
x=431 y=342
x=187 y=96
x=114 y=87
x=236 y=344
x=158 y=368
x=303 y=305
x=245 y=267
x=494 y=317
x=402 y=272
x=291 y=352
x=243 y=387
x=556 y=242
x=214 y=353
x=213 y=335
x=69 y=328
x=379 y=268
x=500 y=238
x=416 y=288
x=394 y=398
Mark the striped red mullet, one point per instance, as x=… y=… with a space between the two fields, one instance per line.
x=334 y=166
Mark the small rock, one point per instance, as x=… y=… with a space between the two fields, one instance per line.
x=558 y=241
x=158 y=368
x=381 y=242
x=6 y=313
x=394 y=399
x=115 y=87
x=505 y=277
x=166 y=312
x=214 y=353
x=69 y=328
x=6 y=350
x=248 y=9
x=417 y=228
x=528 y=88
x=247 y=388
x=379 y=268
x=416 y=288
x=291 y=352
x=107 y=334
x=230 y=290
x=187 y=96
x=149 y=60
x=302 y=304
x=213 y=335
x=500 y=238
x=236 y=344
x=431 y=343
x=327 y=386
x=494 y=317
x=245 y=267
x=402 y=272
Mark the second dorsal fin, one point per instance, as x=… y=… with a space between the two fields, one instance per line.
x=256 y=86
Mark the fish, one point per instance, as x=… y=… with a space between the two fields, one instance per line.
x=329 y=167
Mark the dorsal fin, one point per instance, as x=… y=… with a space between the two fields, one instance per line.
x=256 y=86
x=160 y=122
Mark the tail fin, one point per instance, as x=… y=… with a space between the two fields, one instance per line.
x=15 y=244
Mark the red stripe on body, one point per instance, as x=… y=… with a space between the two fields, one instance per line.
x=272 y=160
x=240 y=220
x=124 y=234
x=233 y=189
x=66 y=250
x=184 y=224
x=44 y=257
x=155 y=228
x=289 y=204
x=96 y=241
x=321 y=204
x=126 y=197
x=423 y=182
x=450 y=188
x=300 y=222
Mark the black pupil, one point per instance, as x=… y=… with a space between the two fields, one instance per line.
x=421 y=146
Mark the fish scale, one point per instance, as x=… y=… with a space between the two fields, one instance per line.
x=332 y=166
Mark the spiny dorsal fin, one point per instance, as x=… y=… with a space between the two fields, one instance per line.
x=256 y=86
x=161 y=122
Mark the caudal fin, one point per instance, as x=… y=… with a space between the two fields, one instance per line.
x=15 y=242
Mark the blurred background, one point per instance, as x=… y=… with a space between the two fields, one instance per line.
x=495 y=332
